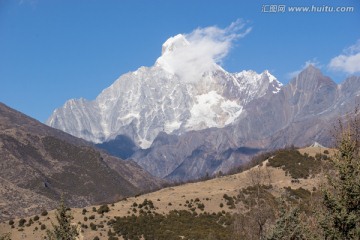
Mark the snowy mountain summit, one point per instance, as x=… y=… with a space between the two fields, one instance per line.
x=185 y=90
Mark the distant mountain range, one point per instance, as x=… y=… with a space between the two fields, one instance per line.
x=301 y=113
x=39 y=163
x=178 y=127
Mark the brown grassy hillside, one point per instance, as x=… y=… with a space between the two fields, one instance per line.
x=209 y=201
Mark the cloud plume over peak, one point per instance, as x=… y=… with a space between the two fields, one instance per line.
x=190 y=55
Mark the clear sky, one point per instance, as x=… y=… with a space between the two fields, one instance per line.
x=54 y=50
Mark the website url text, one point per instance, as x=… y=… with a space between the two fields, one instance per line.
x=305 y=9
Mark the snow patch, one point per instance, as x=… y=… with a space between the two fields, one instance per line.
x=233 y=109
x=212 y=110
x=171 y=126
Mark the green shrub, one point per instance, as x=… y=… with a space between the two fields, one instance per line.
x=43 y=227
x=295 y=164
x=113 y=238
x=36 y=218
x=29 y=223
x=103 y=208
x=93 y=226
x=44 y=213
x=229 y=201
x=201 y=206
x=176 y=223
x=11 y=222
x=84 y=211
x=299 y=193
x=22 y=222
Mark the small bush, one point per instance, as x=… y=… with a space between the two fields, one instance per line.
x=11 y=222
x=22 y=222
x=29 y=223
x=36 y=218
x=92 y=217
x=201 y=206
x=44 y=213
x=84 y=211
x=43 y=227
x=113 y=238
x=103 y=208
x=299 y=193
x=93 y=226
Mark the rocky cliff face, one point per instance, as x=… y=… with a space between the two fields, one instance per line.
x=38 y=164
x=304 y=111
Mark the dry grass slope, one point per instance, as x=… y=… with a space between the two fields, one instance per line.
x=204 y=210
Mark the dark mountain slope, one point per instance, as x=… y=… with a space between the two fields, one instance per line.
x=38 y=164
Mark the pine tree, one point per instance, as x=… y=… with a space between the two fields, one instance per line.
x=342 y=199
x=289 y=225
x=64 y=230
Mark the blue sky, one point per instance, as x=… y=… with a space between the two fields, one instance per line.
x=54 y=50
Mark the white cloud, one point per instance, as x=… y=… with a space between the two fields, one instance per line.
x=349 y=61
x=190 y=55
x=314 y=62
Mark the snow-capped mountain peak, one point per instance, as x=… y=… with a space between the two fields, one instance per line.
x=189 y=60
x=173 y=43
x=176 y=95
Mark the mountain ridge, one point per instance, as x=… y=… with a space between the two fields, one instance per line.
x=161 y=98
x=294 y=116
x=38 y=164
